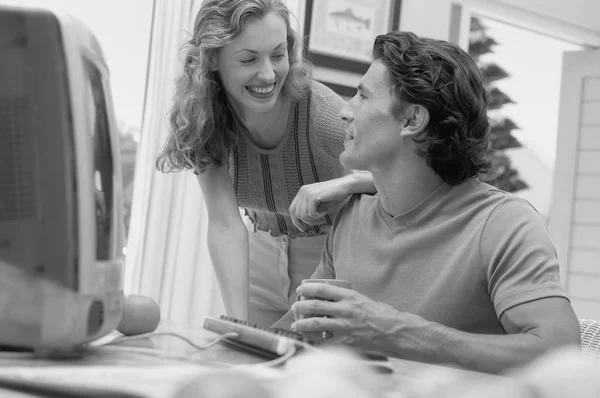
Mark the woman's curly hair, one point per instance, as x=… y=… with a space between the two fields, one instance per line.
x=202 y=124
x=444 y=79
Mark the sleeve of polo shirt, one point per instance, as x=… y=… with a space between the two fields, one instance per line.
x=518 y=256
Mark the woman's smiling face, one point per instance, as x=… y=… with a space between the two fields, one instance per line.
x=254 y=67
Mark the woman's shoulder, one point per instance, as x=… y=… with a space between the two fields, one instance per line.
x=320 y=91
x=323 y=100
x=324 y=119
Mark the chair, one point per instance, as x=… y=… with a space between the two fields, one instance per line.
x=590 y=337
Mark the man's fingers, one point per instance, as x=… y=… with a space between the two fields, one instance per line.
x=318 y=324
x=314 y=308
x=313 y=336
x=323 y=291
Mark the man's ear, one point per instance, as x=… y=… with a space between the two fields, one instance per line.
x=416 y=119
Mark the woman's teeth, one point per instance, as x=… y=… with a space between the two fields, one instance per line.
x=261 y=89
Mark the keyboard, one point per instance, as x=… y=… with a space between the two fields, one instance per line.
x=263 y=341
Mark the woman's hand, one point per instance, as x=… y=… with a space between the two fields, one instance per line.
x=314 y=201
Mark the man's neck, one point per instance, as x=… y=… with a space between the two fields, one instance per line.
x=403 y=186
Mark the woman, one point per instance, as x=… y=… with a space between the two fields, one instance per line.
x=262 y=136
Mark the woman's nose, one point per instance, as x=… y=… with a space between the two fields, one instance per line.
x=267 y=71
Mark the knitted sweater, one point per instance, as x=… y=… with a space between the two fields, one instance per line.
x=266 y=181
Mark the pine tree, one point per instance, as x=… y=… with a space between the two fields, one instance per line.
x=501 y=173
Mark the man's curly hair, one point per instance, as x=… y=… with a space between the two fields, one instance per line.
x=444 y=79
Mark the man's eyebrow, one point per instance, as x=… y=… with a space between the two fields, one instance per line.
x=279 y=46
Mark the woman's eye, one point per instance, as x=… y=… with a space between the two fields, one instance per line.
x=247 y=61
x=279 y=56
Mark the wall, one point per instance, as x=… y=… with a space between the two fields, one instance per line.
x=581 y=13
x=574 y=21
x=429 y=18
x=583 y=281
x=575 y=215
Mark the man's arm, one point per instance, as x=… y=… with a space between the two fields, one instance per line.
x=534 y=328
x=521 y=267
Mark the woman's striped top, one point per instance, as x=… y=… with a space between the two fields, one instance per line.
x=267 y=180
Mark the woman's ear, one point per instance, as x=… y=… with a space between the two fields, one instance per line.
x=416 y=119
x=212 y=60
x=212 y=63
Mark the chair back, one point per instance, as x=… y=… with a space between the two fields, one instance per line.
x=590 y=337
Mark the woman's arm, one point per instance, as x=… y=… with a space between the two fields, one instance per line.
x=314 y=201
x=227 y=240
x=358 y=182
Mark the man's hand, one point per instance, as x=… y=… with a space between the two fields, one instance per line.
x=353 y=318
x=314 y=201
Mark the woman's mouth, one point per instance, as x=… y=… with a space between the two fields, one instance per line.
x=261 y=90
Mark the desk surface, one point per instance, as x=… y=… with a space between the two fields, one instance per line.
x=106 y=364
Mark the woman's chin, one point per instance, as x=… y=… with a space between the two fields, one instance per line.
x=259 y=105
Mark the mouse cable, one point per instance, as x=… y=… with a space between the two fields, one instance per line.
x=172 y=334
x=162 y=354
x=187 y=358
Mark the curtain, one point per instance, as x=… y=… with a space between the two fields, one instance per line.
x=167 y=253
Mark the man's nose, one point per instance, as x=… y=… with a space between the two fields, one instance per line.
x=346 y=113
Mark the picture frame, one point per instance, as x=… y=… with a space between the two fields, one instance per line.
x=340 y=33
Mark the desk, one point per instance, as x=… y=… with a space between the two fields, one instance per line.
x=106 y=365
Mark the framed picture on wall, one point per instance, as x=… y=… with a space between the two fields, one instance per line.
x=341 y=32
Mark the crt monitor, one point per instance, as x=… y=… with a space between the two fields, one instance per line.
x=61 y=207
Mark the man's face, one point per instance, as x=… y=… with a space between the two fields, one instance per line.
x=372 y=132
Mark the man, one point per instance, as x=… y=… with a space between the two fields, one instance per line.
x=444 y=268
